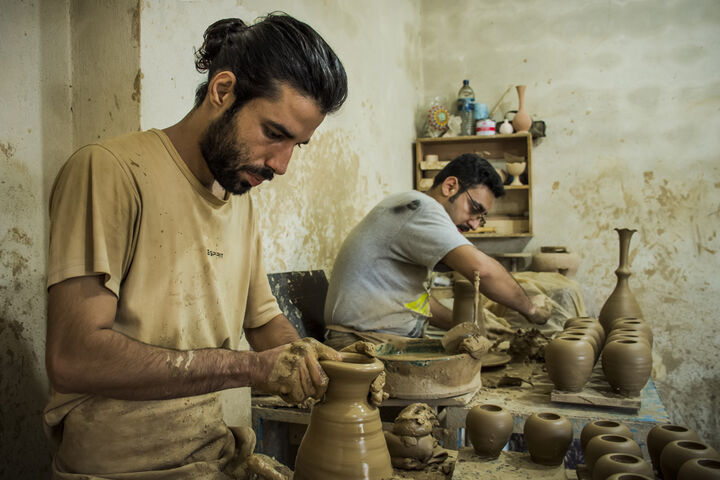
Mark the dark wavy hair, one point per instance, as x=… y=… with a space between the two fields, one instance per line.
x=471 y=170
x=276 y=49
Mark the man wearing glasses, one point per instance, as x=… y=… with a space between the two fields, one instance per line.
x=381 y=278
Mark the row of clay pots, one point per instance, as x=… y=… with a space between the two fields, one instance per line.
x=571 y=355
x=627 y=355
x=547 y=435
x=609 y=449
x=677 y=453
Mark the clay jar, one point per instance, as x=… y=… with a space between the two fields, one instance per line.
x=602 y=427
x=611 y=463
x=489 y=428
x=627 y=365
x=661 y=435
x=628 y=334
x=589 y=330
x=548 y=437
x=345 y=438
x=629 y=476
x=635 y=323
x=677 y=452
x=700 y=469
x=586 y=322
x=569 y=362
x=584 y=335
x=463 y=302
x=601 y=445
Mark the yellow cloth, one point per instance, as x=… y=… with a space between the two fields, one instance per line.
x=186 y=266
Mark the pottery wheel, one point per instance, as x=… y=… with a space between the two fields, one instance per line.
x=495 y=359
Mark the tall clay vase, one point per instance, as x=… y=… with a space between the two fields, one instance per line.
x=700 y=469
x=661 y=435
x=489 y=428
x=677 y=452
x=627 y=365
x=548 y=437
x=344 y=439
x=621 y=302
x=521 y=121
x=569 y=362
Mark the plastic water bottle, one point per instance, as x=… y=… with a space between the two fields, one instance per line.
x=465 y=101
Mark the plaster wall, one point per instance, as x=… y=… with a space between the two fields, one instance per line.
x=629 y=92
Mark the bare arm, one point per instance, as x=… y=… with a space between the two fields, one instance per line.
x=495 y=282
x=84 y=354
x=276 y=332
x=441 y=315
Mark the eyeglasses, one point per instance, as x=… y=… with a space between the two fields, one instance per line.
x=478 y=209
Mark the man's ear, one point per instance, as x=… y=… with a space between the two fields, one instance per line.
x=221 y=90
x=450 y=186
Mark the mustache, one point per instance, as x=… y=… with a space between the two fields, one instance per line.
x=263 y=172
x=463 y=228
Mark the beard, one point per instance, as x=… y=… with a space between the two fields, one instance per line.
x=227 y=158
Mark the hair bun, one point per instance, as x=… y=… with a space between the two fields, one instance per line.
x=216 y=36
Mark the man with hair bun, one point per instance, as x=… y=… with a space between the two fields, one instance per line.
x=155 y=268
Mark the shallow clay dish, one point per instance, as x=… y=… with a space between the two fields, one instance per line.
x=422 y=369
x=495 y=359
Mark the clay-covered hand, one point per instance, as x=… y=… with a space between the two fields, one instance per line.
x=293 y=371
x=542 y=308
x=267 y=468
x=495 y=329
x=361 y=346
x=377 y=392
x=475 y=345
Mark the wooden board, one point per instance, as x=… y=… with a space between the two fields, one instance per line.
x=597 y=392
x=508 y=466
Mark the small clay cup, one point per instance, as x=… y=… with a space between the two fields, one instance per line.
x=611 y=463
x=661 y=435
x=489 y=428
x=569 y=362
x=635 y=323
x=547 y=436
x=700 y=469
x=627 y=365
x=601 y=445
x=602 y=427
x=629 y=476
x=677 y=452
x=587 y=322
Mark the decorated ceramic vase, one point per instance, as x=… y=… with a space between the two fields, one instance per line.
x=627 y=365
x=602 y=427
x=344 y=439
x=700 y=469
x=621 y=302
x=677 y=452
x=488 y=428
x=547 y=436
x=600 y=445
x=569 y=362
x=661 y=435
x=611 y=463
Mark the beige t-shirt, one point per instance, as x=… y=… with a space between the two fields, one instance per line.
x=186 y=266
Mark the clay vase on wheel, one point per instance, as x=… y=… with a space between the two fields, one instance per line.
x=677 y=452
x=548 y=437
x=489 y=428
x=627 y=365
x=463 y=302
x=601 y=445
x=569 y=362
x=344 y=439
x=621 y=302
x=611 y=463
x=602 y=427
x=700 y=469
x=661 y=435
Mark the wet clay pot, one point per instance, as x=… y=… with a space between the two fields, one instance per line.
x=627 y=365
x=661 y=435
x=635 y=323
x=629 y=476
x=602 y=427
x=585 y=335
x=677 y=452
x=547 y=436
x=628 y=334
x=589 y=330
x=601 y=445
x=463 y=302
x=611 y=463
x=621 y=302
x=700 y=469
x=569 y=362
x=587 y=322
x=489 y=428
x=344 y=439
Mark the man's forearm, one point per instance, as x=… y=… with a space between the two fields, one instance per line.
x=498 y=285
x=442 y=317
x=278 y=331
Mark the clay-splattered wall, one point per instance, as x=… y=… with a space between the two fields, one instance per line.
x=629 y=91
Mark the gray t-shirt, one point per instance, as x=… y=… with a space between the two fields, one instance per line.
x=379 y=280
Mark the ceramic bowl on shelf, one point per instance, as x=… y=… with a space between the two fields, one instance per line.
x=515 y=169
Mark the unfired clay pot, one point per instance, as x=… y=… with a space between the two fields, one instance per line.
x=489 y=428
x=589 y=330
x=548 y=437
x=569 y=362
x=627 y=365
x=563 y=262
x=611 y=463
x=629 y=476
x=621 y=302
x=584 y=335
x=636 y=323
x=521 y=121
x=628 y=334
x=661 y=435
x=677 y=452
x=601 y=445
x=700 y=469
x=344 y=439
x=463 y=301
x=587 y=322
x=602 y=427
